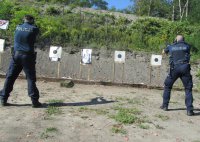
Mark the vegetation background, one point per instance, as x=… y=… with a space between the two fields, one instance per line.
x=157 y=24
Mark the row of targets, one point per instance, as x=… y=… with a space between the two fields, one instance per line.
x=86 y=56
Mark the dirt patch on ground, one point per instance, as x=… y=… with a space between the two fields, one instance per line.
x=95 y=113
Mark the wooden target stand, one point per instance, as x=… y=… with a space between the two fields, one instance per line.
x=86 y=61
x=2 y=47
x=89 y=67
x=2 y=22
x=55 y=56
x=150 y=72
x=154 y=64
x=58 y=69
x=114 y=71
x=119 y=58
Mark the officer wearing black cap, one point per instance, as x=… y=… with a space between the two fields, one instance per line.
x=24 y=57
x=179 y=55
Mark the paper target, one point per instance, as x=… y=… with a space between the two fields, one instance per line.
x=4 y=24
x=120 y=56
x=156 y=60
x=2 y=44
x=86 y=55
x=55 y=53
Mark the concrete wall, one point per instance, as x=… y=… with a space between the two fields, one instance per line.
x=136 y=70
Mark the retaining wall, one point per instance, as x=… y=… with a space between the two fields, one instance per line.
x=136 y=69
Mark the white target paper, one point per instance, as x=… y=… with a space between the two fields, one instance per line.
x=2 y=44
x=156 y=60
x=4 y=24
x=120 y=56
x=55 y=53
x=86 y=55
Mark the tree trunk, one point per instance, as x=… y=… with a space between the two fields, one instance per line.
x=182 y=11
x=149 y=11
x=187 y=7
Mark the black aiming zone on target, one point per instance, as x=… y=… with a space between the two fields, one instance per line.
x=119 y=56
x=55 y=52
x=156 y=60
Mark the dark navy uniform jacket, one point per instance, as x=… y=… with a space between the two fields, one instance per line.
x=25 y=36
x=179 y=53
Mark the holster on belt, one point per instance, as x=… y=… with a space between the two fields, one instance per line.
x=171 y=68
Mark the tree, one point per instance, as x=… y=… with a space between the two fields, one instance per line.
x=101 y=4
x=155 y=8
x=193 y=11
x=183 y=9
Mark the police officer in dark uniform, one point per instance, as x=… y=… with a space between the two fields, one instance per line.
x=24 y=57
x=179 y=53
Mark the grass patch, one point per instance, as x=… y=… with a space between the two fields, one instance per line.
x=162 y=117
x=144 y=126
x=54 y=102
x=49 y=132
x=82 y=109
x=130 y=101
x=84 y=117
x=53 y=108
x=97 y=111
x=197 y=87
x=100 y=111
x=118 y=128
x=159 y=127
x=127 y=115
x=198 y=74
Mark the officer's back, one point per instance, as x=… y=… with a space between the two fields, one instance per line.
x=25 y=36
x=179 y=52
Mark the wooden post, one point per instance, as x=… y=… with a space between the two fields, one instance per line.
x=113 y=79
x=123 y=72
x=80 y=71
x=150 y=72
x=58 y=70
x=159 y=71
x=89 y=71
x=0 y=60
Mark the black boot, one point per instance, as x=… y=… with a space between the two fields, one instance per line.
x=165 y=108
x=36 y=104
x=3 y=103
x=190 y=113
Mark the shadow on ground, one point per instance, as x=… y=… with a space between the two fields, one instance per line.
x=196 y=110
x=94 y=101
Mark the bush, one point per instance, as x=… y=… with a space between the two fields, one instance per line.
x=5 y=10
x=52 y=11
x=87 y=29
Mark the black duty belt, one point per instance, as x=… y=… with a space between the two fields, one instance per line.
x=182 y=62
x=24 y=53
